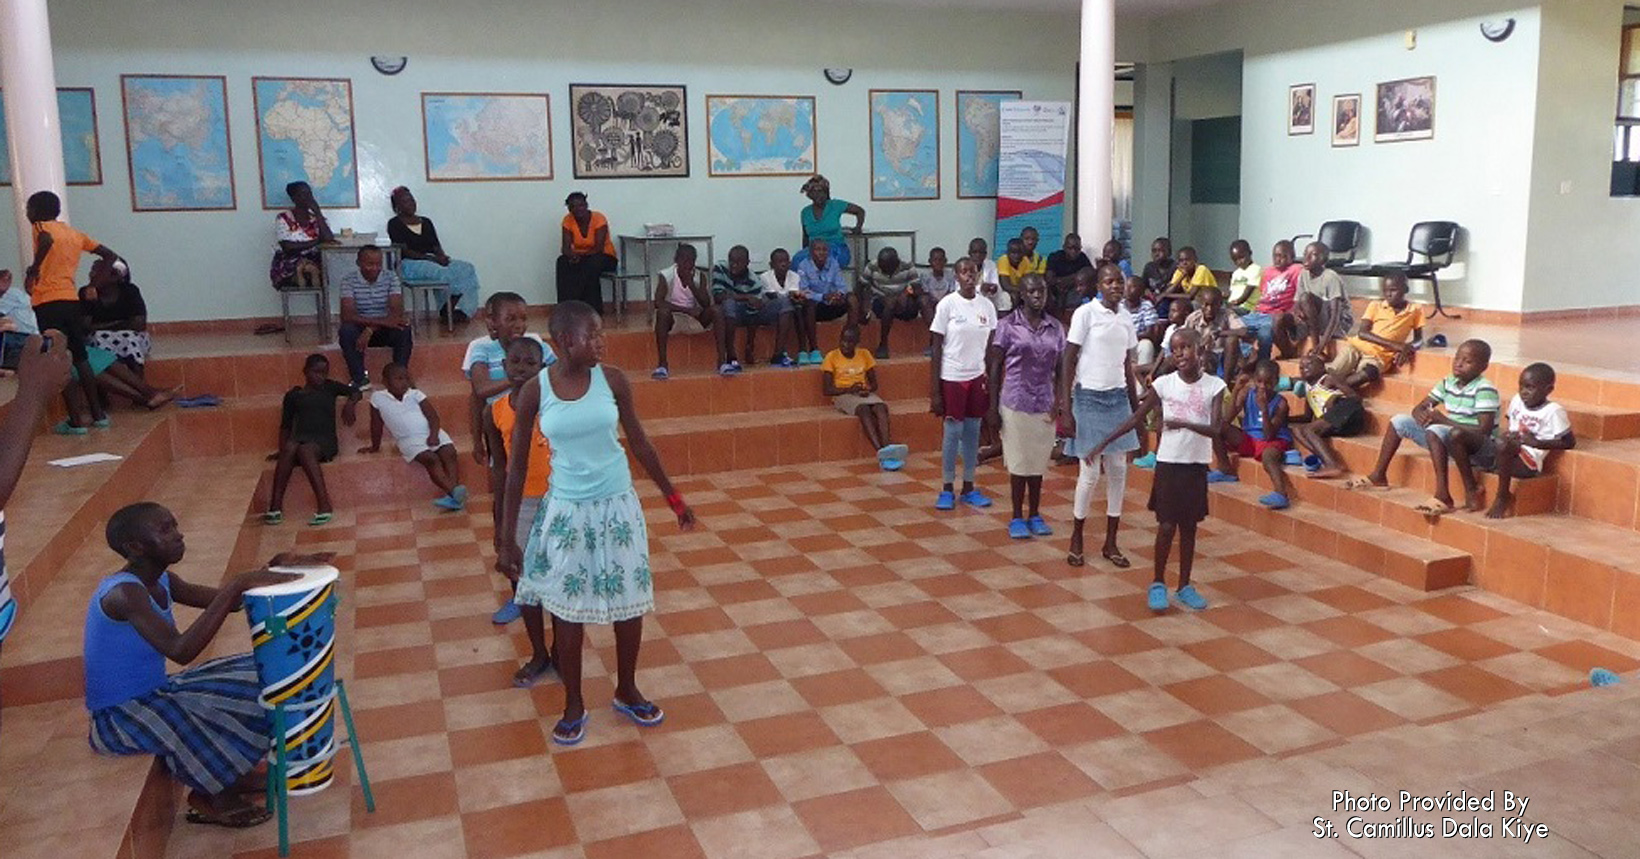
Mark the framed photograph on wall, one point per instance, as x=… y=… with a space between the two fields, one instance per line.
x=761 y=135
x=629 y=131
x=486 y=136
x=1346 y=120
x=1301 y=109
x=979 y=140
x=1406 y=110
x=905 y=144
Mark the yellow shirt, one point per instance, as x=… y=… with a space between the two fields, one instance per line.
x=1389 y=324
x=540 y=469
x=848 y=372
x=1027 y=265
x=1202 y=276
x=57 y=270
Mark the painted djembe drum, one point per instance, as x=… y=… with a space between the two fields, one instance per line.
x=293 y=638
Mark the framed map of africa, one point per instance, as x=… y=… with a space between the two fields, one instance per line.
x=304 y=132
x=176 y=142
x=486 y=136
x=77 y=120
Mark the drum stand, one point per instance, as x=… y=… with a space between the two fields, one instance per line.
x=278 y=786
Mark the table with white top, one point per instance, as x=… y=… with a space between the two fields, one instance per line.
x=639 y=269
x=859 y=245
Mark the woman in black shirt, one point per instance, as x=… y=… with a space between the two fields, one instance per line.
x=116 y=314
x=425 y=259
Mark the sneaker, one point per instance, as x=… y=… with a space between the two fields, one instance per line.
x=507 y=613
x=1217 y=476
x=783 y=360
x=727 y=369
x=1188 y=598
x=976 y=498
x=1148 y=461
x=736 y=365
x=102 y=423
x=1156 y=597
x=66 y=428
x=1018 y=530
x=1039 y=528
x=1275 y=501
x=660 y=374
x=945 y=501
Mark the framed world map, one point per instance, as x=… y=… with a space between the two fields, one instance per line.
x=626 y=131
x=760 y=135
x=176 y=142
x=979 y=123
x=77 y=120
x=487 y=136
x=304 y=132
x=905 y=144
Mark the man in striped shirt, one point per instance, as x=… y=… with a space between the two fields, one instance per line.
x=372 y=315
x=1451 y=423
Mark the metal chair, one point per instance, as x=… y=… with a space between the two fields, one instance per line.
x=321 y=307
x=1342 y=238
x=421 y=301
x=1435 y=242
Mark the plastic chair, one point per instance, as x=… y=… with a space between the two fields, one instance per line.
x=1342 y=238
x=1433 y=241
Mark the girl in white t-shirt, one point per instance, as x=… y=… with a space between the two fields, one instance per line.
x=960 y=336
x=1192 y=413
x=410 y=417
x=1098 y=393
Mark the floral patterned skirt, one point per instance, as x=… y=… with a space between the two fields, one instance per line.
x=588 y=561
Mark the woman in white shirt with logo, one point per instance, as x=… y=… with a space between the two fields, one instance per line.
x=960 y=335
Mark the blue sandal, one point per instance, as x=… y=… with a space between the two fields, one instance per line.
x=570 y=732
x=645 y=715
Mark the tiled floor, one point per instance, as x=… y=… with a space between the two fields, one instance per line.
x=847 y=672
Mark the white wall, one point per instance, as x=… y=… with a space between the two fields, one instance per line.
x=1573 y=215
x=213 y=265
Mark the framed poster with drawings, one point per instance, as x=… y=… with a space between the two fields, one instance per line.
x=1346 y=120
x=1301 y=109
x=1406 y=110
x=627 y=131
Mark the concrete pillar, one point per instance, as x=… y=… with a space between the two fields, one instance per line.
x=1095 y=121
x=33 y=131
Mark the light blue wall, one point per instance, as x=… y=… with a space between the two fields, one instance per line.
x=213 y=265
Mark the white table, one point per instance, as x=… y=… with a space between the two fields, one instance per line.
x=859 y=245
x=641 y=271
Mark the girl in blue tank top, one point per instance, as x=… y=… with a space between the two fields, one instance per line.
x=206 y=723
x=1263 y=434
x=587 y=556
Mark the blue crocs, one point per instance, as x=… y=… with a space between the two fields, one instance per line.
x=1018 y=530
x=1156 y=598
x=945 y=501
x=976 y=498
x=1038 y=527
x=1274 y=501
x=1148 y=461
x=507 y=613
x=1188 y=598
x=1603 y=677
x=891 y=464
x=447 y=503
x=1293 y=458
x=1217 y=476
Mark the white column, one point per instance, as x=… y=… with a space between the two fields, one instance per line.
x=1096 y=121
x=33 y=133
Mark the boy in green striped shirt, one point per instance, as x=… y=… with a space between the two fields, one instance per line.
x=1451 y=423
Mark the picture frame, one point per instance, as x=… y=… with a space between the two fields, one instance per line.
x=908 y=122
x=1346 y=120
x=1300 y=109
x=1405 y=110
x=976 y=174
x=283 y=109
x=629 y=131
x=188 y=169
x=732 y=152
x=514 y=128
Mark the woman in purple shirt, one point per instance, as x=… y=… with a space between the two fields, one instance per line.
x=1023 y=363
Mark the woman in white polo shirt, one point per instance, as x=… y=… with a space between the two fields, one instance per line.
x=960 y=334
x=1097 y=397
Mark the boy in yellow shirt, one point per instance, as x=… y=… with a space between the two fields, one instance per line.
x=1384 y=340
x=56 y=299
x=1189 y=275
x=849 y=377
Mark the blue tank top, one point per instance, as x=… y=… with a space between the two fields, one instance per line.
x=119 y=663
x=588 y=460
x=1252 y=422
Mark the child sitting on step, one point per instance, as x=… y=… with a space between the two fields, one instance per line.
x=1453 y=422
x=848 y=375
x=1263 y=434
x=206 y=723
x=1537 y=427
x=1331 y=409
x=414 y=423
x=307 y=436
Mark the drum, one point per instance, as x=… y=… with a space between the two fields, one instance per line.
x=293 y=635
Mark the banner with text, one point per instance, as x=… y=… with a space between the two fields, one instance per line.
x=1031 y=172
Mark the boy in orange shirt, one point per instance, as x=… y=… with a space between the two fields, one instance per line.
x=1384 y=340
x=525 y=358
x=56 y=300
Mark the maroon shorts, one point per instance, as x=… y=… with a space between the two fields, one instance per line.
x=965 y=400
x=1254 y=448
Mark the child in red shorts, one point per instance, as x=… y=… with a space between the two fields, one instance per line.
x=964 y=323
x=1263 y=434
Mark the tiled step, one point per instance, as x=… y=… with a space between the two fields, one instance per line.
x=1416 y=562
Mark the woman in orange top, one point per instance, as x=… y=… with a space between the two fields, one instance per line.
x=588 y=252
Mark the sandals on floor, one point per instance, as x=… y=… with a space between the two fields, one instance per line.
x=243 y=818
x=570 y=732
x=1075 y=559
x=1362 y=484
x=1434 y=507
x=521 y=681
x=645 y=715
x=1116 y=559
x=320 y=519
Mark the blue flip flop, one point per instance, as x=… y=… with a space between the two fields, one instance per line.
x=576 y=730
x=645 y=715
x=1604 y=677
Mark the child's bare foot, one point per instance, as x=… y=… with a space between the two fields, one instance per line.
x=1475 y=500
x=1371 y=481
x=1500 y=506
x=159 y=399
x=1326 y=474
